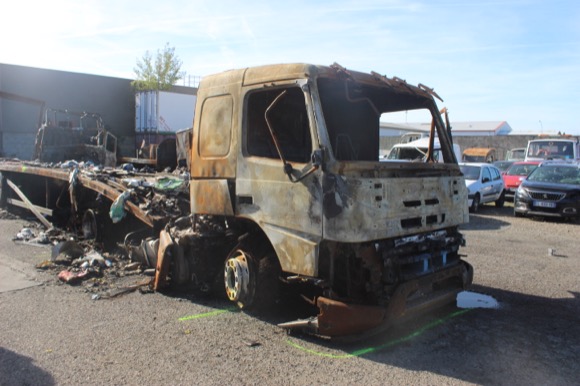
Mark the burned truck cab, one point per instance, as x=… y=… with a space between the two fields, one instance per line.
x=287 y=157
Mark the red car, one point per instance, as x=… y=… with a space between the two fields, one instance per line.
x=516 y=173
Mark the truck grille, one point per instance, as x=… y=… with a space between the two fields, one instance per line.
x=545 y=196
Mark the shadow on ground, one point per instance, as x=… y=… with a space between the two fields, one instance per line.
x=527 y=340
x=17 y=369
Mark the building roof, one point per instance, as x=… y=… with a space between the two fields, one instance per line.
x=457 y=128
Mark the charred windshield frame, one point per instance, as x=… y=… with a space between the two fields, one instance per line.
x=352 y=112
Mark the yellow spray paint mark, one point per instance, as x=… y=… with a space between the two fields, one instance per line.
x=369 y=350
x=207 y=314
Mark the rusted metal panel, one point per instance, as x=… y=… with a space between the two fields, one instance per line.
x=98 y=186
x=296 y=251
x=210 y=197
x=19 y=167
x=358 y=210
x=289 y=213
x=338 y=318
x=163 y=260
x=112 y=194
x=277 y=73
x=216 y=129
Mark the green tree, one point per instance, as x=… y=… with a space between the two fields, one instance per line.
x=158 y=74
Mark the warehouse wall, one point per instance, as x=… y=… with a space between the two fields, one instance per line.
x=111 y=97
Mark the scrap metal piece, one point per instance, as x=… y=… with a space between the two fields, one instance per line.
x=29 y=205
x=163 y=260
x=337 y=318
x=430 y=91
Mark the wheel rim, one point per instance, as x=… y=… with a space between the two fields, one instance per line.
x=238 y=279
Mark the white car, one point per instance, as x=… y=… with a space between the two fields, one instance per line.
x=484 y=184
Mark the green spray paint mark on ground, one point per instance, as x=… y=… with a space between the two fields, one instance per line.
x=369 y=350
x=208 y=314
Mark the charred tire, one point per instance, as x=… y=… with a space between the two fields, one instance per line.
x=251 y=282
x=90 y=226
x=501 y=200
x=475 y=204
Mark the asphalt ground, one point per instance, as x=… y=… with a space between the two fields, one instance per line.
x=57 y=334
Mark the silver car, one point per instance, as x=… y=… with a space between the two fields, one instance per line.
x=484 y=184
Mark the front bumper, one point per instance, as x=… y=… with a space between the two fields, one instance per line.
x=340 y=319
x=561 y=210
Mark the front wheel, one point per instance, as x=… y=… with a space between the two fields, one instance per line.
x=501 y=200
x=475 y=204
x=251 y=282
x=240 y=278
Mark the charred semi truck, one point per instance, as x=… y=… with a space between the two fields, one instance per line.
x=286 y=185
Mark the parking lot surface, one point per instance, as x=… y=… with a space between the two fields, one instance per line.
x=58 y=334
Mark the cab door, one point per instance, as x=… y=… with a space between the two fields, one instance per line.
x=277 y=129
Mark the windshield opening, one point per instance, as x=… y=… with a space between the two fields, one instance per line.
x=353 y=113
x=289 y=120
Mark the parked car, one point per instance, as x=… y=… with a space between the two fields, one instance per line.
x=503 y=166
x=516 y=154
x=517 y=172
x=479 y=154
x=551 y=190
x=484 y=184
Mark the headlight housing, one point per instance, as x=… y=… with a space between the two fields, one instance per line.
x=522 y=192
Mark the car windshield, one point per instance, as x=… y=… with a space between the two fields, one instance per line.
x=470 y=172
x=520 y=170
x=556 y=174
x=503 y=165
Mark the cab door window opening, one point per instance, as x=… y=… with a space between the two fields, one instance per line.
x=288 y=119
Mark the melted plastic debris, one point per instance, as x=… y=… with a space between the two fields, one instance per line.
x=466 y=299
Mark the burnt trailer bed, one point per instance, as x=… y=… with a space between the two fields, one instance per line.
x=66 y=195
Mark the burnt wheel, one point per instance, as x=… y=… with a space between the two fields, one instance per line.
x=251 y=282
x=240 y=278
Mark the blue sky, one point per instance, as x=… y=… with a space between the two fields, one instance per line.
x=512 y=60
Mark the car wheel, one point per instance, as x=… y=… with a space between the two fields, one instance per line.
x=475 y=204
x=501 y=200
